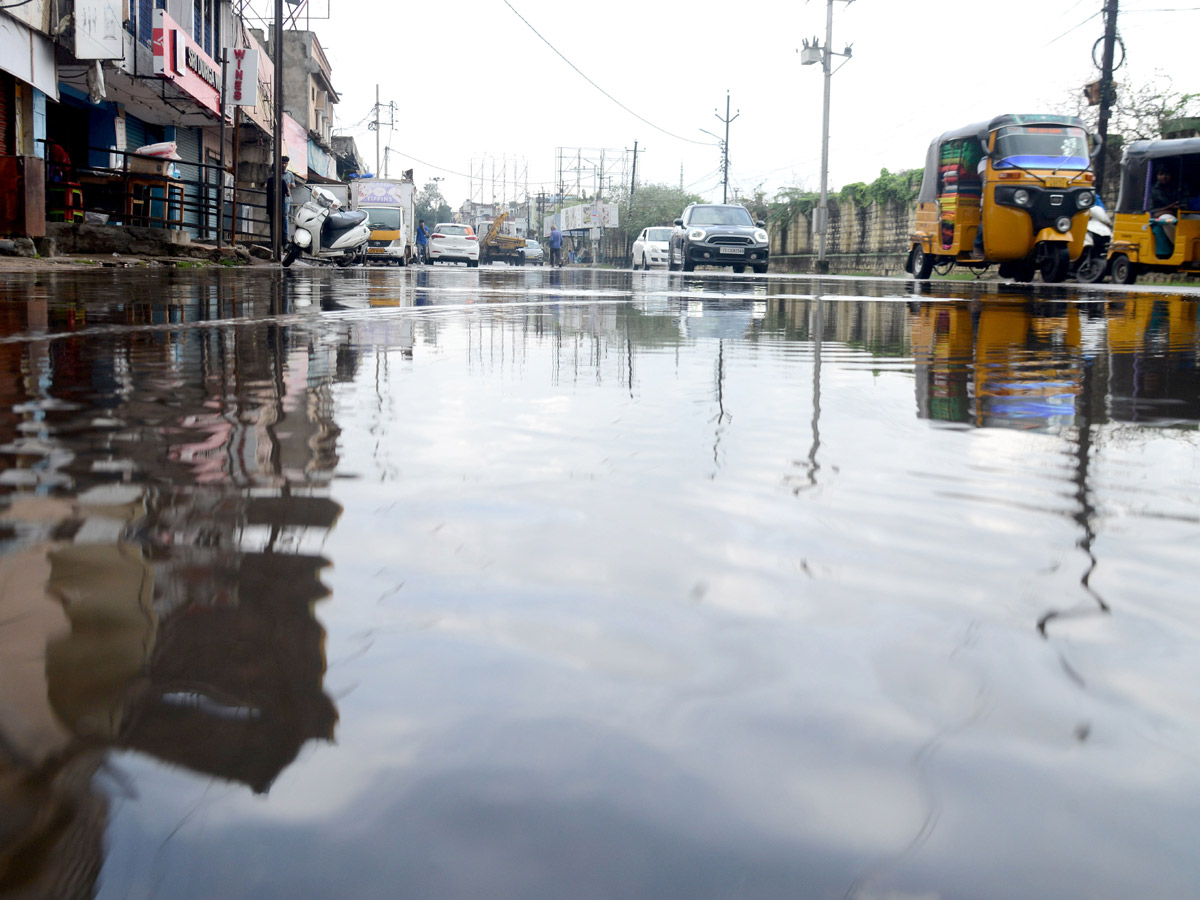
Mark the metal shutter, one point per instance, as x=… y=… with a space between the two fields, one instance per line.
x=188 y=145
x=135 y=133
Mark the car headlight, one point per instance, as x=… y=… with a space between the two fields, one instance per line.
x=1021 y=197
x=1084 y=199
x=696 y=234
x=1063 y=224
x=760 y=236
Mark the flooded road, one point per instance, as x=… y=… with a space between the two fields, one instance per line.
x=503 y=583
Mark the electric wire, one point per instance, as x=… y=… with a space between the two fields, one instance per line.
x=600 y=89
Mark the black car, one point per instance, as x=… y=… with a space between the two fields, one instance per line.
x=718 y=234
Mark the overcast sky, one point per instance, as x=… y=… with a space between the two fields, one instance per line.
x=474 y=83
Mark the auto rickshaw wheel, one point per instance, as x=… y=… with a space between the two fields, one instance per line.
x=1123 y=271
x=1055 y=263
x=922 y=263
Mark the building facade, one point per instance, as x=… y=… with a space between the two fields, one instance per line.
x=86 y=83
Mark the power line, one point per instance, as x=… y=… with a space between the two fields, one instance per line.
x=1074 y=27
x=600 y=89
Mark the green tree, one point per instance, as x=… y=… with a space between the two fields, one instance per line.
x=653 y=204
x=432 y=206
x=1139 y=111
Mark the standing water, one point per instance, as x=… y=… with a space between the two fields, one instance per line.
x=568 y=584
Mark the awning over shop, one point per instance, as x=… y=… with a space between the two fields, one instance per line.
x=28 y=55
x=315 y=177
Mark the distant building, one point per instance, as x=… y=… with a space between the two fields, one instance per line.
x=349 y=161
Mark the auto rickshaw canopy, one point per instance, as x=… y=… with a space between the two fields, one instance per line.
x=1143 y=160
x=980 y=131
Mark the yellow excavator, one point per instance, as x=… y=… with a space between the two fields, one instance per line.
x=495 y=246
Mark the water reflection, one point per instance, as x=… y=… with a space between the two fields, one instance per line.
x=992 y=362
x=163 y=496
x=626 y=584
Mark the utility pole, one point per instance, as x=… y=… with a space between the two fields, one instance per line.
x=221 y=161
x=725 y=146
x=632 y=186
x=1106 y=87
x=812 y=53
x=377 y=169
x=278 y=226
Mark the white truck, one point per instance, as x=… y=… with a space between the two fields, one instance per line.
x=390 y=207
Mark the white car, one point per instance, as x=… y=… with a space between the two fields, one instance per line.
x=453 y=243
x=533 y=252
x=650 y=248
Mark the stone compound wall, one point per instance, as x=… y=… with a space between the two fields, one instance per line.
x=872 y=240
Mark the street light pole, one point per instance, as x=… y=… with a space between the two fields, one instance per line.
x=811 y=54
x=823 y=208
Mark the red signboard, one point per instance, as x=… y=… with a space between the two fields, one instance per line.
x=180 y=60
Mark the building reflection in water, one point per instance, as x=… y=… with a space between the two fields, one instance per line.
x=161 y=495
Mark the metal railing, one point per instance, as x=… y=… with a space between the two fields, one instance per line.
x=142 y=190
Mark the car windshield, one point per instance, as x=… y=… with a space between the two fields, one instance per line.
x=455 y=230
x=658 y=234
x=720 y=215
x=382 y=219
x=535 y=244
x=1041 y=147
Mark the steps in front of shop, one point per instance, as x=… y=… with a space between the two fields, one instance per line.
x=131 y=240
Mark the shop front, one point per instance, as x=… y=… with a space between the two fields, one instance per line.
x=28 y=75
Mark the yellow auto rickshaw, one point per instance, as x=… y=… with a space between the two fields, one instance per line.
x=1157 y=225
x=1015 y=191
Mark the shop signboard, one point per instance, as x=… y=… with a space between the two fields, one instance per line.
x=295 y=146
x=260 y=112
x=600 y=215
x=98 y=32
x=242 y=89
x=180 y=60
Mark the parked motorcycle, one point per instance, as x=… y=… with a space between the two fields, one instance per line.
x=322 y=232
x=1092 y=264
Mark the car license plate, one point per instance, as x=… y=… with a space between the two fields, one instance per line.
x=1056 y=182
x=376 y=250
x=733 y=250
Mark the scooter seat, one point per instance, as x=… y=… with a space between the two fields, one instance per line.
x=342 y=221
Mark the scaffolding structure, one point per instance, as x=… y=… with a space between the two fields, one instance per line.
x=593 y=171
x=497 y=180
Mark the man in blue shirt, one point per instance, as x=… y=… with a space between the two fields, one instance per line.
x=422 y=242
x=555 y=246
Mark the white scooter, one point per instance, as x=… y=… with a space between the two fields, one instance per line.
x=321 y=232
x=1092 y=264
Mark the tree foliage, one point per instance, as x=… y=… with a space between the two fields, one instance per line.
x=792 y=203
x=653 y=204
x=432 y=206
x=1139 y=112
